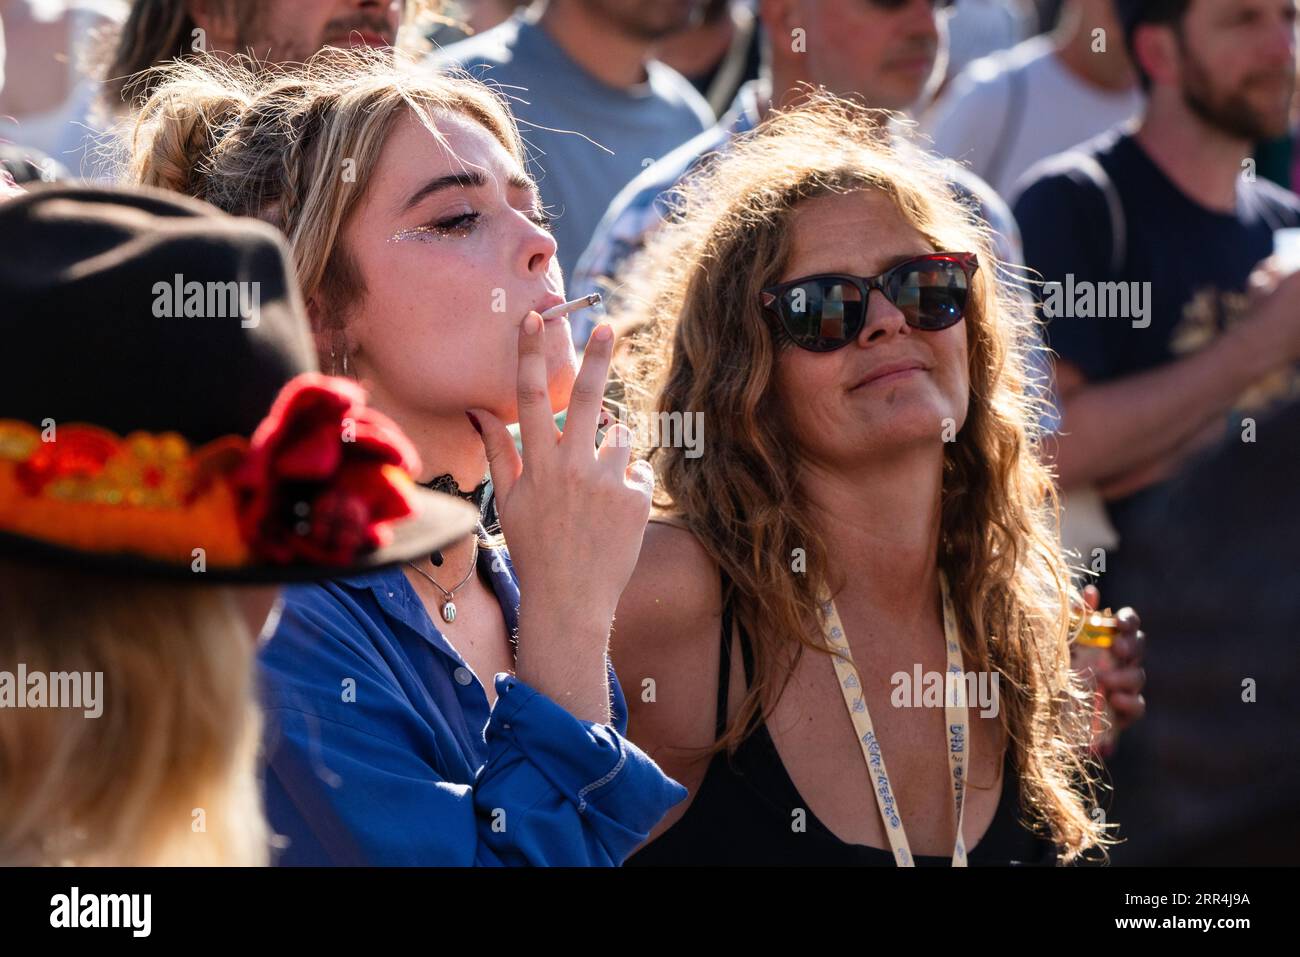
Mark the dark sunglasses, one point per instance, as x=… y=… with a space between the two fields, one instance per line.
x=826 y=312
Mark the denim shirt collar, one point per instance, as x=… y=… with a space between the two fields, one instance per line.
x=397 y=598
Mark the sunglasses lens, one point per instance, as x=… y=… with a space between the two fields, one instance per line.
x=822 y=315
x=932 y=294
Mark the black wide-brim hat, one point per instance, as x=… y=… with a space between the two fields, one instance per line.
x=112 y=342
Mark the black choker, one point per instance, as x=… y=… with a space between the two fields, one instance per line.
x=447 y=485
x=481 y=498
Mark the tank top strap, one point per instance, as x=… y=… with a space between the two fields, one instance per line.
x=724 y=666
x=732 y=629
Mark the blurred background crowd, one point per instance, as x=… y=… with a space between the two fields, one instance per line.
x=1104 y=141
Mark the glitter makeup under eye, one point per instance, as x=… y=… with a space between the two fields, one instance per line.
x=461 y=225
x=419 y=233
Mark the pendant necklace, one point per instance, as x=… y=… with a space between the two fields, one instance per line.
x=449 y=606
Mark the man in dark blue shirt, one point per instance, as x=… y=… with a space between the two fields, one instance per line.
x=1167 y=223
x=1177 y=375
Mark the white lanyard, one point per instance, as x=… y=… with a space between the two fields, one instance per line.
x=954 y=712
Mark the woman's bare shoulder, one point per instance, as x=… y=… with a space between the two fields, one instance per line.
x=675 y=588
x=665 y=647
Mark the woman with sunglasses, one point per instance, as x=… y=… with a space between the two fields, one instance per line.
x=867 y=514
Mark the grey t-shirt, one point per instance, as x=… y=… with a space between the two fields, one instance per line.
x=561 y=108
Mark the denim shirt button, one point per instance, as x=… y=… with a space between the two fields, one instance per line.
x=462 y=676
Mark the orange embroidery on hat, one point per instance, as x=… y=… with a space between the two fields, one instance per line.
x=320 y=483
x=148 y=495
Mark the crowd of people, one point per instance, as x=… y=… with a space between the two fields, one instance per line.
x=922 y=321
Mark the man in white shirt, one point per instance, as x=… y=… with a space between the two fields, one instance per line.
x=981 y=28
x=1008 y=111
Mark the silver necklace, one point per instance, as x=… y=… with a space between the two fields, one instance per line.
x=449 y=606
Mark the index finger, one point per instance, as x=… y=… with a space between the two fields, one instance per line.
x=1092 y=597
x=589 y=389
x=536 y=419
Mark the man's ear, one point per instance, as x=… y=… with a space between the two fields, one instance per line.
x=217 y=20
x=1158 y=52
x=777 y=16
x=780 y=20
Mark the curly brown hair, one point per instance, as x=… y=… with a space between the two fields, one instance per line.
x=704 y=346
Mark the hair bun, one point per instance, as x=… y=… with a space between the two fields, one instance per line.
x=180 y=126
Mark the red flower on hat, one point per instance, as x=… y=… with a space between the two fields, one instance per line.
x=324 y=475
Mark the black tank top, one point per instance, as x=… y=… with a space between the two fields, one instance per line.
x=743 y=812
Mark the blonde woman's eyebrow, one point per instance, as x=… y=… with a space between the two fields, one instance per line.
x=466 y=180
x=469 y=179
x=521 y=183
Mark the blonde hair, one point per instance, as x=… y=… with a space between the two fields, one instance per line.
x=276 y=144
x=167 y=773
x=706 y=347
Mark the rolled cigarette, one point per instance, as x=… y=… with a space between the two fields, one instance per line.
x=573 y=305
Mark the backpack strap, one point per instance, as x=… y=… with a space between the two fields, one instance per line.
x=1114 y=207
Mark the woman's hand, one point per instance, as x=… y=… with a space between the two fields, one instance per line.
x=573 y=517
x=1123 y=682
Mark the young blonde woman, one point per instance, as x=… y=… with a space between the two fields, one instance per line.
x=425 y=262
x=866 y=511
x=144 y=522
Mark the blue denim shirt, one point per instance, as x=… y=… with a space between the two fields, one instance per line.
x=381 y=747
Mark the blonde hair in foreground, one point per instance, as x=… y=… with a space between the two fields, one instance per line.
x=167 y=773
x=296 y=146
x=705 y=346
